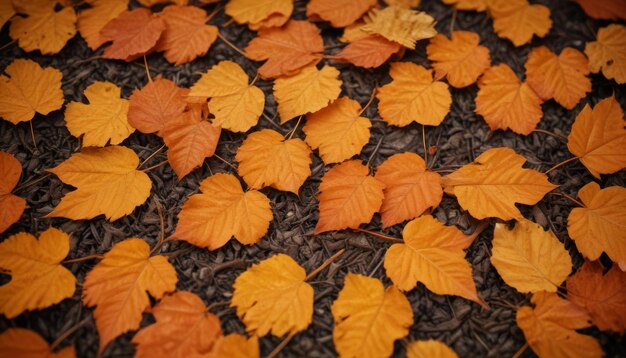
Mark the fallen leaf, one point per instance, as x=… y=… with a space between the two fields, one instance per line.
x=461 y=59
x=93 y=19
x=183 y=328
x=107 y=181
x=236 y=346
x=150 y=3
x=28 y=89
x=21 y=342
x=600 y=226
x=518 y=20
x=410 y=188
x=11 y=206
x=407 y=4
x=368 y=52
x=308 y=91
x=492 y=185
x=562 y=77
x=38 y=280
x=598 y=137
x=267 y=159
x=608 y=53
x=340 y=13
x=475 y=5
x=413 y=96
x=159 y=102
x=7 y=11
x=606 y=10
x=429 y=349
x=369 y=318
x=274 y=297
x=529 y=258
x=103 y=120
x=133 y=33
x=338 y=131
x=287 y=49
x=255 y=12
x=354 y=32
x=222 y=211
x=400 y=25
x=43 y=28
x=550 y=328
x=348 y=197
x=507 y=103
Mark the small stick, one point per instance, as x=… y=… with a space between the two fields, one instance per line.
x=324 y=264
x=572 y=199
x=32 y=134
x=85 y=258
x=369 y=101
x=154 y=166
x=296 y=127
x=557 y=136
x=520 y=351
x=282 y=345
x=161 y=224
x=152 y=155
x=67 y=333
x=225 y=161
x=145 y=63
x=561 y=164
x=424 y=144
x=452 y=21
x=256 y=77
x=230 y=44
x=217 y=9
x=31 y=183
x=380 y=236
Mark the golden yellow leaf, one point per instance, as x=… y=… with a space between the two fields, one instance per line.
x=43 y=28
x=348 y=197
x=221 y=211
x=550 y=328
x=29 y=89
x=38 y=280
x=476 y=5
x=6 y=11
x=273 y=297
x=11 y=206
x=355 y=32
x=600 y=226
x=159 y=102
x=608 y=53
x=255 y=11
x=107 y=181
x=407 y=4
x=492 y=185
x=223 y=79
x=369 y=318
x=236 y=346
x=598 y=137
x=461 y=59
x=93 y=19
x=529 y=258
x=429 y=349
x=507 y=103
x=308 y=91
x=24 y=343
x=340 y=13
x=518 y=20
x=119 y=285
x=338 y=131
x=267 y=159
x=413 y=96
x=400 y=25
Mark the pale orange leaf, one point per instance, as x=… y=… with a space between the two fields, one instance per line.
x=11 y=206
x=429 y=349
x=159 y=102
x=400 y=25
x=340 y=13
x=93 y=19
x=133 y=34
x=518 y=20
x=24 y=343
x=43 y=28
x=608 y=53
x=260 y=13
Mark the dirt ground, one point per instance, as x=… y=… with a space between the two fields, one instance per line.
x=470 y=330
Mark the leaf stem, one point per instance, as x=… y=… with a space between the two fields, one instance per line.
x=145 y=64
x=520 y=351
x=566 y=161
x=154 y=166
x=32 y=134
x=230 y=44
x=324 y=264
x=452 y=20
x=31 y=183
x=256 y=77
x=161 y=225
x=424 y=144
x=84 y=258
x=67 y=333
x=368 y=101
x=380 y=236
x=295 y=127
x=557 y=136
x=571 y=198
x=152 y=155
x=282 y=345
x=225 y=161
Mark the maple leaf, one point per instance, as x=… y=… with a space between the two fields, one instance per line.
x=370 y=51
x=236 y=346
x=273 y=296
x=475 y=5
x=562 y=77
x=133 y=34
x=287 y=49
x=550 y=328
x=308 y=91
x=183 y=328
x=107 y=181
x=29 y=89
x=608 y=53
x=186 y=36
x=601 y=224
x=159 y=102
x=529 y=258
x=93 y=19
x=348 y=197
x=461 y=59
x=11 y=206
x=369 y=318
x=400 y=25
x=43 y=28
x=602 y=296
x=21 y=342
x=413 y=96
x=104 y=119
x=221 y=211
x=260 y=13
x=338 y=131
x=38 y=280
x=410 y=188
x=119 y=285
x=340 y=13
x=607 y=10
x=492 y=185
x=598 y=137
x=7 y=11
x=267 y=159
x=518 y=20
x=507 y=103
x=428 y=349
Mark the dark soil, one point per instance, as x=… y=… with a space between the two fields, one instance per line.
x=465 y=326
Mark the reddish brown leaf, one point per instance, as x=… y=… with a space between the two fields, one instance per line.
x=134 y=33
x=154 y=105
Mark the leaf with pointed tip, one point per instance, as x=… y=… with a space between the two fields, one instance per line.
x=155 y=104
x=133 y=33
x=11 y=206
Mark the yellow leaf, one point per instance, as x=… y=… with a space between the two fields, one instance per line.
x=529 y=258
x=255 y=11
x=43 y=29
x=413 y=96
x=24 y=343
x=461 y=59
x=410 y=188
x=223 y=79
x=38 y=280
x=476 y=5
x=107 y=181
x=507 y=103
x=598 y=137
x=338 y=131
x=272 y=296
x=368 y=318
x=600 y=226
x=119 y=285
x=267 y=159
x=550 y=328
x=429 y=349
x=11 y=206
x=6 y=11
x=308 y=91
x=518 y=20
x=221 y=211
x=104 y=119
x=93 y=19
x=608 y=53
x=236 y=346
x=492 y=185
x=400 y=25
x=340 y=13
x=29 y=89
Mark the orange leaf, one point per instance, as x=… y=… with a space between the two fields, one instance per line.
x=606 y=10
x=236 y=346
x=407 y=4
x=348 y=197
x=159 y=102
x=260 y=13
x=400 y=25
x=340 y=13
x=21 y=342
x=368 y=52
x=518 y=20
x=476 y=5
x=607 y=53
x=7 y=11
x=429 y=349
x=507 y=103
x=134 y=33
x=11 y=206
x=93 y=19
x=149 y=3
